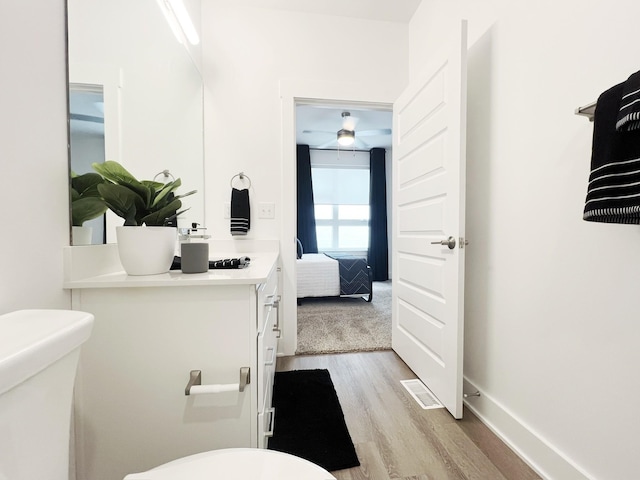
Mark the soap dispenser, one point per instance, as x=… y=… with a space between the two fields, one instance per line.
x=194 y=255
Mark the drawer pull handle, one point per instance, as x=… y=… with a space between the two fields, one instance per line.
x=273 y=356
x=272 y=422
x=195 y=387
x=276 y=304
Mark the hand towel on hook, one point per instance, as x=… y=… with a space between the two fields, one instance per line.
x=240 y=212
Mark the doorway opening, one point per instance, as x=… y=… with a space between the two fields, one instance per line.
x=329 y=320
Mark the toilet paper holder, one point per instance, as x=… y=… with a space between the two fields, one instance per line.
x=195 y=387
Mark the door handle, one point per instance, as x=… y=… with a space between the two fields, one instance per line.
x=449 y=242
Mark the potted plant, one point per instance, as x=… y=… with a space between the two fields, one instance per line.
x=86 y=204
x=146 y=244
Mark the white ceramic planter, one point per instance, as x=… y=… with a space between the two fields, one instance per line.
x=146 y=250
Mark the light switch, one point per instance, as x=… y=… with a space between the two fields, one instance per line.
x=266 y=210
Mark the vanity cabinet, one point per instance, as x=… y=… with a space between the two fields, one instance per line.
x=268 y=334
x=131 y=411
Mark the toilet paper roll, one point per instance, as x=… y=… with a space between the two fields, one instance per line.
x=194 y=257
x=203 y=389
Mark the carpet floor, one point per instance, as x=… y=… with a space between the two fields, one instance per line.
x=309 y=421
x=335 y=324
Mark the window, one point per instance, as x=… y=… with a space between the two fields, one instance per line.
x=342 y=227
x=341 y=196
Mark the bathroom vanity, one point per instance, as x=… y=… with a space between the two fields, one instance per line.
x=150 y=332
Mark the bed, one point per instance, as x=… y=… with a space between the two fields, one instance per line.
x=320 y=275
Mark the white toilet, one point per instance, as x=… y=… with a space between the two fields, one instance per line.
x=236 y=464
x=39 y=351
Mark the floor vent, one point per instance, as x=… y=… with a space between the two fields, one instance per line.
x=421 y=394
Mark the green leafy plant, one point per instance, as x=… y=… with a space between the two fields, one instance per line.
x=139 y=202
x=86 y=202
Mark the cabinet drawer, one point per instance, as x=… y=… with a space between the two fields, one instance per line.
x=267 y=300
x=266 y=417
x=267 y=348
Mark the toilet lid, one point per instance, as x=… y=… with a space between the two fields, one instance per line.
x=236 y=464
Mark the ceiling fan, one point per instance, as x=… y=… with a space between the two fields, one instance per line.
x=347 y=135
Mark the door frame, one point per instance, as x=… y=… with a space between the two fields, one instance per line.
x=292 y=93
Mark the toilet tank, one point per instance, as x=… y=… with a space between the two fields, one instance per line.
x=39 y=352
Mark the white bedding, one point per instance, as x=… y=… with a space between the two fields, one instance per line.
x=318 y=276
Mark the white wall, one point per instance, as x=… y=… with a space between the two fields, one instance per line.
x=551 y=336
x=33 y=155
x=247 y=51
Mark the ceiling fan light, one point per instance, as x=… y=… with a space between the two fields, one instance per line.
x=346 y=137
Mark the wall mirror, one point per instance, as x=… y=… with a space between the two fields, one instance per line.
x=135 y=96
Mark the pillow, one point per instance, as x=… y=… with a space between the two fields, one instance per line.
x=300 y=251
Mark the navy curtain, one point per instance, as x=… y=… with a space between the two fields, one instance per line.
x=378 y=257
x=306 y=213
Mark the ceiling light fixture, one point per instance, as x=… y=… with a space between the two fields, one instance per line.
x=346 y=137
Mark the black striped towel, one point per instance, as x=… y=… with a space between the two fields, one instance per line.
x=240 y=212
x=629 y=113
x=613 y=193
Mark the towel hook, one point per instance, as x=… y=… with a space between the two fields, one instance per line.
x=241 y=176
x=166 y=174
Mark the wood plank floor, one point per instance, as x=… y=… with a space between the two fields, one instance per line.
x=395 y=438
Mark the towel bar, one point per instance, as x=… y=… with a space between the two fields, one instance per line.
x=587 y=111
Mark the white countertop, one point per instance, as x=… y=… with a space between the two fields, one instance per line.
x=262 y=263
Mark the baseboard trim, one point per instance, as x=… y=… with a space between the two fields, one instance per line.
x=543 y=457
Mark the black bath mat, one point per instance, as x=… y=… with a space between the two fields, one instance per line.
x=309 y=422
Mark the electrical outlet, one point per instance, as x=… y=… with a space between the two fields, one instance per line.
x=227 y=210
x=266 y=210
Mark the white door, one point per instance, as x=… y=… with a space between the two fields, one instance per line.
x=429 y=129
